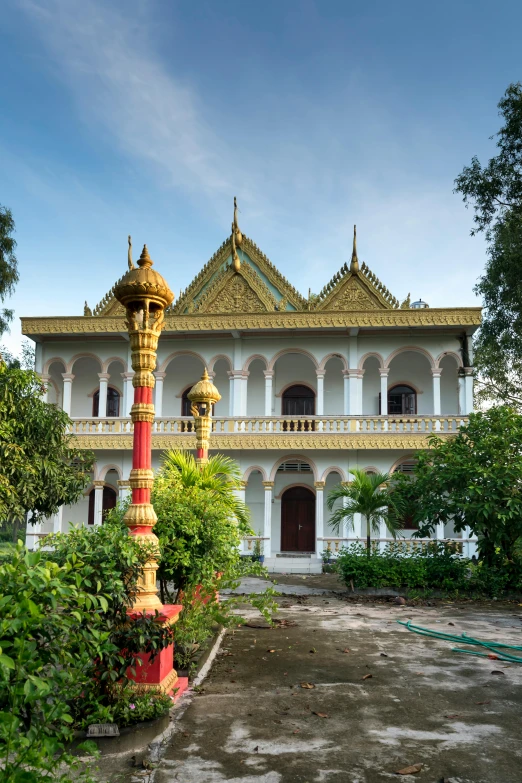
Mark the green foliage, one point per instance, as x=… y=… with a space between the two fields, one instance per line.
x=51 y=629
x=370 y=495
x=475 y=479
x=436 y=567
x=39 y=468
x=131 y=705
x=111 y=562
x=8 y=264
x=26 y=359
x=495 y=191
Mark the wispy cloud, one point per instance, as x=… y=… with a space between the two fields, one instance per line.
x=317 y=167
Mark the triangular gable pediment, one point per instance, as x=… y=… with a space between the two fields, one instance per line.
x=354 y=293
x=260 y=275
x=240 y=291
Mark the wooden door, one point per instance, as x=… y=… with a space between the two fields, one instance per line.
x=298 y=520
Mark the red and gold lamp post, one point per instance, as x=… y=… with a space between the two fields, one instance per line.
x=145 y=295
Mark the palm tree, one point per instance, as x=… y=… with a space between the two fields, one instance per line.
x=220 y=477
x=371 y=495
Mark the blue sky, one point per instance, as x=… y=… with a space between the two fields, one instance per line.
x=147 y=117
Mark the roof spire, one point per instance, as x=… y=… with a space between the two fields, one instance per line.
x=354 y=265
x=237 y=238
x=129 y=254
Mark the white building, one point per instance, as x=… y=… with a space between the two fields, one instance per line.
x=310 y=388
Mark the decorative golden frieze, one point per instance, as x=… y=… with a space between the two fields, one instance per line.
x=81 y=325
x=286 y=441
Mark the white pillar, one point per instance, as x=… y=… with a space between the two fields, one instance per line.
x=462 y=393
x=158 y=396
x=230 y=393
x=102 y=399
x=355 y=380
x=267 y=532
x=269 y=375
x=439 y=531
x=241 y=495
x=383 y=533
x=128 y=393
x=471 y=546
x=68 y=378
x=239 y=381
x=436 y=373
x=319 y=516
x=468 y=385
x=31 y=533
x=346 y=407
x=320 y=394
x=123 y=489
x=45 y=383
x=384 y=390
x=98 y=502
x=57 y=521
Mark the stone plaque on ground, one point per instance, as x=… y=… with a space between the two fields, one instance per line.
x=103 y=730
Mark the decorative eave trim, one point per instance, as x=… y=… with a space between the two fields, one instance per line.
x=290 y=441
x=92 y=325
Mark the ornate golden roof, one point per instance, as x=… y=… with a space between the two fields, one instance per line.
x=143 y=283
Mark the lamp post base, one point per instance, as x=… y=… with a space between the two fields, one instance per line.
x=159 y=674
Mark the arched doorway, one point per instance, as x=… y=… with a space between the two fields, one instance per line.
x=298 y=520
x=402 y=401
x=109 y=501
x=298 y=400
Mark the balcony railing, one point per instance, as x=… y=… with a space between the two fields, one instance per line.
x=184 y=425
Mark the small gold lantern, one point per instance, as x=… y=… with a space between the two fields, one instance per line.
x=203 y=396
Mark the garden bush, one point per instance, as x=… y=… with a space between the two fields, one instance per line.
x=435 y=567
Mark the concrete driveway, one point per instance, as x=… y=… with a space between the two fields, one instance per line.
x=256 y=720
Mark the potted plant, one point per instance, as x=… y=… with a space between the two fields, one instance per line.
x=327 y=555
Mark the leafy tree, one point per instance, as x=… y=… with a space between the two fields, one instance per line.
x=8 y=264
x=371 y=495
x=495 y=192
x=475 y=480
x=40 y=470
x=25 y=361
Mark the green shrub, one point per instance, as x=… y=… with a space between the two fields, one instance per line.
x=51 y=630
x=435 y=567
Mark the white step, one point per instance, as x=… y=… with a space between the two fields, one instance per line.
x=307 y=564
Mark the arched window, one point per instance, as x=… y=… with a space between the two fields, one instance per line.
x=108 y=502
x=113 y=403
x=298 y=401
x=402 y=401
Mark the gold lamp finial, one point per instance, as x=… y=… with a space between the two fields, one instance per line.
x=354 y=265
x=145 y=260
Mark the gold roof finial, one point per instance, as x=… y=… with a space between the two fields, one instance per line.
x=145 y=260
x=354 y=265
x=237 y=238
x=129 y=255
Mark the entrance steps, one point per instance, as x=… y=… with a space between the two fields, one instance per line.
x=294 y=563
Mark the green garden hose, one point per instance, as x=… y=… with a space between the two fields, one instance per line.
x=496 y=649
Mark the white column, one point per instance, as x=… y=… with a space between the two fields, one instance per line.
x=68 y=378
x=241 y=495
x=269 y=375
x=471 y=546
x=238 y=389
x=462 y=393
x=98 y=502
x=123 y=489
x=267 y=532
x=128 y=393
x=102 y=405
x=158 y=395
x=383 y=533
x=57 y=521
x=346 y=407
x=355 y=380
x=45 y=383
x=31 y=533
x=320 y=394
x=468 y=387
x=230 y=393
x=436 y=373
x=384 y=390
x=319 y=516
x=439 y=531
